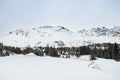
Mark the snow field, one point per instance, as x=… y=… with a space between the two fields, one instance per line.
x=31 y=67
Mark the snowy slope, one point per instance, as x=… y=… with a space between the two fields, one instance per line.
x=58 y=35
x=30 y=67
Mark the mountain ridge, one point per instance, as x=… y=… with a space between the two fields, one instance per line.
x=59 y=35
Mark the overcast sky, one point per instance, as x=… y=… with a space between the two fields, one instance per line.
x=73 y=14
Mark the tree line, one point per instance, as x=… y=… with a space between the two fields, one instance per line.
x=105 y=50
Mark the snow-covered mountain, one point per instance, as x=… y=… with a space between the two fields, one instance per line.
x=59 y=35
x=113 y=32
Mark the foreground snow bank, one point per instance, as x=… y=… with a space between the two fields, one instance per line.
x=31 y=67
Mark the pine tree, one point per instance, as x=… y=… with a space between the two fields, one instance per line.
x=116 y=54
x=47 y=50
x=110 y=51
x=53 y=52
x=92 y=54
x=39 y=51
x=1 y=49
x=78 y=52
x=18 y=50
x=27 y=50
